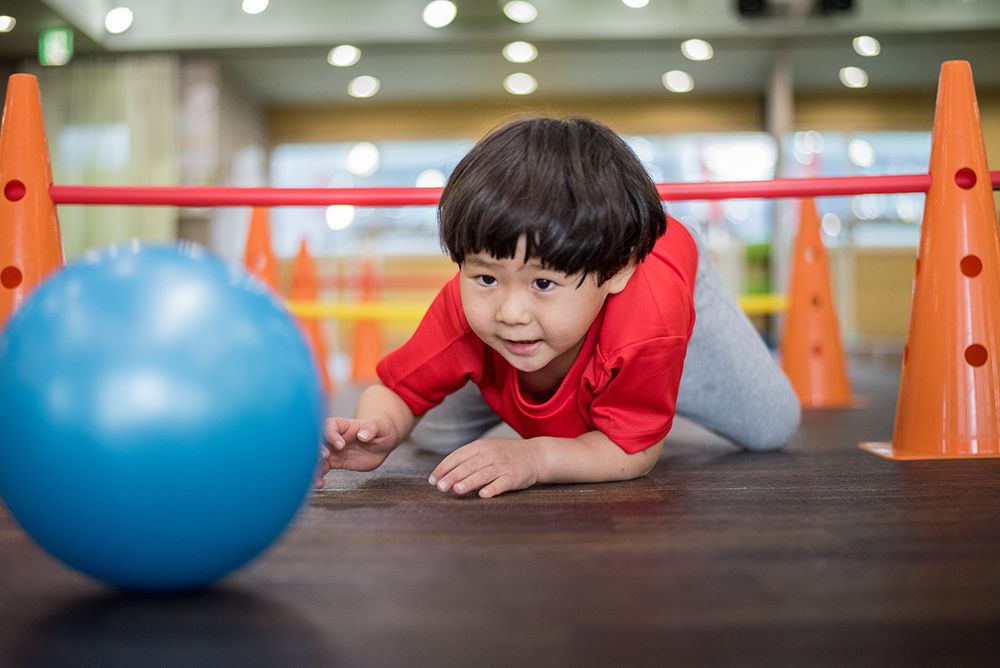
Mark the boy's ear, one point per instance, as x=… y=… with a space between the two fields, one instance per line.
x=618 y=282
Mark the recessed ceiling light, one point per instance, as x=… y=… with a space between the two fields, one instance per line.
x=344 y=55
x=853 y=77
x=430 y=178
x=339 y=216
x=440 y=13
x=254 y=6
x=635 y=4
x=697 y=49
x=363 y=86
x=520 y=83
x=363 y=159
x=861 y=153
x=678 y=81
x=7 y=23
x=118 y=20
x=519 y=11
x=520 y=52
x=866 y=45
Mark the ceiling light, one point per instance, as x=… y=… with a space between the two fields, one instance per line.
x=254 y=6
x=363 y=86
x=831 y=224
x=363 y=159
x=520 y=52
x=439 y=13
x=118 y=20
x=866 y=45
x=861 y=153
x=430 y=178
x=7 y=23
x=344 y=55
x=635 y=4
x=853 y=77
x=697 y=49
x=678 y=81
x=520 y=12
x=520 y=83
x=339 y=216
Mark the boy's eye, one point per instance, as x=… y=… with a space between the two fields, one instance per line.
x=486 y=280
x=544 y=284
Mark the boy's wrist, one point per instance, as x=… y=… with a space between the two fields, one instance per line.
x=543 y=454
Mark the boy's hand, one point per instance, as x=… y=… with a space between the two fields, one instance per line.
x=358 y=445
x=493 y=466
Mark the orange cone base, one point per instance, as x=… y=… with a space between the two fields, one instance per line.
x=886 y=451
x=855 y=402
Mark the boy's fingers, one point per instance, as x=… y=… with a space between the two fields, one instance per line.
x=474 y=481
x=338 y=431
x=495 y=488
x=460 y=472
x=448 y=464
x=368 y=430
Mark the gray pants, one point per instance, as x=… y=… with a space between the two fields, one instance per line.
x=730 y=385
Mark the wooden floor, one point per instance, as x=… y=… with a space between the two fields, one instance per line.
x=821 y=555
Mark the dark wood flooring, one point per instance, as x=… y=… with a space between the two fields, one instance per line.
x=821 y=555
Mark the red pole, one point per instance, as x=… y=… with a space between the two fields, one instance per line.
x=271 y=197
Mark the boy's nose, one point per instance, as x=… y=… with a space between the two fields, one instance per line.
x=513 y=311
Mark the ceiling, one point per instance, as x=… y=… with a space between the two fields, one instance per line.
x=587 y=48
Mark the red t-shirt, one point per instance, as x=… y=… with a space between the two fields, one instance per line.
x=623 y=383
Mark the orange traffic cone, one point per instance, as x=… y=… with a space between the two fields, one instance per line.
x=259 y=258
x=366 y=347
x=305 y=287
x=949 y=387
x=30 y=243
x=811 y=350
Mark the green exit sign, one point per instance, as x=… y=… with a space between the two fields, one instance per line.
x=55 y=46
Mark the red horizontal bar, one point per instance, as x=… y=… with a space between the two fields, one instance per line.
x=270 y=197
x=263 y=197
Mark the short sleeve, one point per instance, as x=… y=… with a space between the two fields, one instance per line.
x=442 y=355
x=636 y=405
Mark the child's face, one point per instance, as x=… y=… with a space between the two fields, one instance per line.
x=536 y=318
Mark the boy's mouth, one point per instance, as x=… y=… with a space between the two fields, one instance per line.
x=522 y=347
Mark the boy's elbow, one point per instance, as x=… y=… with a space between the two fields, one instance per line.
x=644 y=461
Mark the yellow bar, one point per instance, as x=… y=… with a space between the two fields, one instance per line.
x=402 y=311
x=409 y=312
x=762 y=304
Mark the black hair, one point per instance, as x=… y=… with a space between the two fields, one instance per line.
x=573 y=188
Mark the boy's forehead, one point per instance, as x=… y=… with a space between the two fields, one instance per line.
x=486 y=259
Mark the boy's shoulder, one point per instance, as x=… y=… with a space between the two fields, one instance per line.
x=659 y=298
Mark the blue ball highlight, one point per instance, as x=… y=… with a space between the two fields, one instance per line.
x=161 y=417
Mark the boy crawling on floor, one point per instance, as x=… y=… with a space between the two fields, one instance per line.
x=581 y=315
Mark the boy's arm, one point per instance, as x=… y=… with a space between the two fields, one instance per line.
x=381 y=421
x=379 y=402
x=495 y=466
x=591 y=457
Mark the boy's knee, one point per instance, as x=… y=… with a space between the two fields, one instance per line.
x=779 y=418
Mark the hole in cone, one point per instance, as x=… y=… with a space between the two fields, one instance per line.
x=817 y=349
x=14 y=190
x=916 y=269
x=810 y=254
x=976 y=355
x=11 y=277
x=965 y=178
x=816 y=301
x=971 y=265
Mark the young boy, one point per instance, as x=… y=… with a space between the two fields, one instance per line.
x=573 y=315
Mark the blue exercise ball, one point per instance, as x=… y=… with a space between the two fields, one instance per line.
x=161 y=417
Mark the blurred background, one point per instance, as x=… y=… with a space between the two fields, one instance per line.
x=338 y=93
